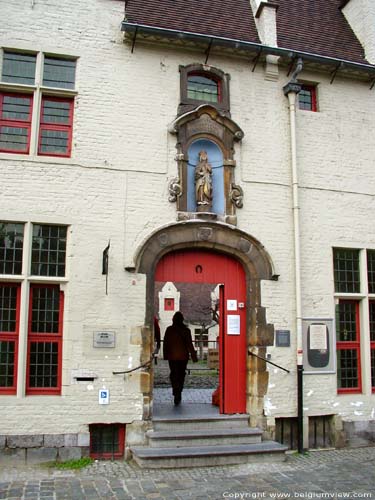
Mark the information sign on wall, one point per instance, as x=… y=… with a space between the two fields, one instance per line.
x=318 y=346
x=104 y=339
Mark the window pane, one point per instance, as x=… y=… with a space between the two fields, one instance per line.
x=45 y=309
x=54 y=142
x=346 y=270
x=372 y=320
x=14 y=139
x=347 y=368
x=202 y=88
x=346 y=321
x=371 y=270
x=59 y=73
x=373 y=368
x=56 y=112
x=18 y=68
x=11 y=244
x=16 y=108
x=8 y=308
x=7 y=358
x=43 y=364
x=48 y=250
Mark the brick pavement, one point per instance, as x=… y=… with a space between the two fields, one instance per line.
x=348 y=473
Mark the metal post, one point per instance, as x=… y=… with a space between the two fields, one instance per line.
x=300 y=407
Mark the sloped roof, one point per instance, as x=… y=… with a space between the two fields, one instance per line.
x=314 y=26
x=318 y=27
x=223 y=18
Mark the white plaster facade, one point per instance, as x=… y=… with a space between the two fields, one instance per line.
x=115 y=186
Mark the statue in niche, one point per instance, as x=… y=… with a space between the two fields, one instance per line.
x=203 y=183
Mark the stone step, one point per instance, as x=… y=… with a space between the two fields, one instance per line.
x=199 y=422
x=209 y=437
x=198 y=456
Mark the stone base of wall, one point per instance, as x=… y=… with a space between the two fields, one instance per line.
x=359 y=433
x=39 y=448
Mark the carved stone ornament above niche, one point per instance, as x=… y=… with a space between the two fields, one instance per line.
x=205 y=185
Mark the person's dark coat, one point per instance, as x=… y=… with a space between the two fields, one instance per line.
x=178 y=343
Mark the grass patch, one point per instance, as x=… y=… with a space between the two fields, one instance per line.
x=75 y=464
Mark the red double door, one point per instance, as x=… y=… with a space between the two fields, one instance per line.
x=197 y=266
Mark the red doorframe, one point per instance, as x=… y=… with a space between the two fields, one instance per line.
x=200 y=266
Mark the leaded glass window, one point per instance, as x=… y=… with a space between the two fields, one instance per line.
x=346 y=270
x=11 y=247
x=202 y=88
x=59 y=72
x=18 y=68
x=48 y=250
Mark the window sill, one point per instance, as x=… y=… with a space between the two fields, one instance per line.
x=36 y=158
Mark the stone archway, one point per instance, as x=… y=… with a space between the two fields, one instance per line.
x=223 y=238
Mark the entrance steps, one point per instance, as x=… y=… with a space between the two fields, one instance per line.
x=194 y=435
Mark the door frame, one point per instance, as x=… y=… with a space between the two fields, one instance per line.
x=257 y=265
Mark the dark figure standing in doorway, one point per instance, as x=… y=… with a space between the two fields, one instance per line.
x=176 y=348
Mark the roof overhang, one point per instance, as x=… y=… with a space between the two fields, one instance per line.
x=248 y=49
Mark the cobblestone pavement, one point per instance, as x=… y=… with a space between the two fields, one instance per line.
x=198 y=377
x=321 y=474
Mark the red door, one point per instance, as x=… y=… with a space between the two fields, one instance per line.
x=199 y=266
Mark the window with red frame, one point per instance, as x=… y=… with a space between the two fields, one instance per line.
x=15 y=122
x=203 y=88
x=107 y=440
x=168 y=304
x=9 y=327
x=307 y=98
x=56 y=125
x=45 y=340
x=348 y=347
x=372 y=342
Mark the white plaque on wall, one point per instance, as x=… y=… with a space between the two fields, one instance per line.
x=231 y=305
x=104 y=339
x=233 y=324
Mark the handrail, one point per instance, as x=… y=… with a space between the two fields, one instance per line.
x=268 y=361
x=138 y=367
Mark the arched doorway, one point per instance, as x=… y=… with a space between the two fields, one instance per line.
x=257 y=265
x=202 y=267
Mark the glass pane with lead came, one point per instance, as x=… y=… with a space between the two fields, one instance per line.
x=43 y=368
x=48 y=250
x=346 y=321
x=18 y=68
x=202 y=88
x=45 y=309
x=59 y=73
x=54 y=142
x=14 y=139
x=8 y=308
x=346 y=270
x=11 y=246
x=16 y=108
x=371 y=270
x=7 y=362
x=57 y=112
x=347 y=368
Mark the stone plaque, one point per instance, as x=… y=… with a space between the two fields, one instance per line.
x=104 y=339
x=282 y=338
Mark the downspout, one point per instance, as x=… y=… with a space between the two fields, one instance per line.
x=291 y=90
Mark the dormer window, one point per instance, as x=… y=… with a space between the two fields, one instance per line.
x=203 y=84
x=203 y=88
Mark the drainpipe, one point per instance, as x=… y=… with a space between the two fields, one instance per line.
x=291 y=90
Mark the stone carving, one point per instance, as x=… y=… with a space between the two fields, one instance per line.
x=175 y=190
x=205 y=233
x=236 y=195
x=244 y=245
x=203 y=183
x=163 y=239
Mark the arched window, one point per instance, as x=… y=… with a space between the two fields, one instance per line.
x=201 y=84
x=203 y=88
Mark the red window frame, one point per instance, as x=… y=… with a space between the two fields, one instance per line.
x=12 y=336
x=312 y=90
x=209 y=76
x=352 y=345
x=17 y=123
x=121 y=442
x=57 y=127
x=372 y=348
x=43 y=338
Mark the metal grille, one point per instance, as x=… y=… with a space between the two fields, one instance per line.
x=347 y=368
x=48 y=250
x=346 y=270
x=7 y=359
x=43 y=364
x=105 y=440
x=18 y=68
x=8 y=308
x=45 y=309
x=202 y=89
x=372 y=320
x=59 y=73
x=371 y=270
x=11 y=243
x=346 y=321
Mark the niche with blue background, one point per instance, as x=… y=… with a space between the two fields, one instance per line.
x=215 y=158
